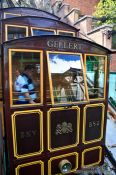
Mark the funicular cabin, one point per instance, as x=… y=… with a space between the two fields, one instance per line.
x=60 y=129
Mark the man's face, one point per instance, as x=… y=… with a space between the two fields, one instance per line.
x=17 y=72
x=30 y=72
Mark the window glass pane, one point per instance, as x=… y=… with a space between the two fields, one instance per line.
x=67 y=77
x=114 y=41
x=10 y=15
x=66 y=34
x=0 y=80
x=95 y=70
x=38 y=32
x=25 y=77
x=16 y=32
x=48 y=96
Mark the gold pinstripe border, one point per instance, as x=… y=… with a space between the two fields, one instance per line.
x=2 y=118
x=13 y=116
x=63 y=156
x=84 y=122
x=44 y=29
x=18 y=26
x=29 y=164
x=90 y=149
x=50 y=77
x=65 y=31
x=14 y=14
x=10 y=75
x=105 y=73
x=49 y=128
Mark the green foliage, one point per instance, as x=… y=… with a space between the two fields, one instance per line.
x=106 y=8
x=113 y=102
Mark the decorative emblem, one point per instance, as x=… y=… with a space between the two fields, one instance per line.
x=63 y=128
x=28 y=134
x=94 y=124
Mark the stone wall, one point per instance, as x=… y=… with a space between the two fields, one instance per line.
x=113 y=63
x=79 y=14
x=87 y=7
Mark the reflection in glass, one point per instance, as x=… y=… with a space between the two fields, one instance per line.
x=95 y=70
x=114 y=41
x=0 y=80
x=67 y=77
x=16 y=32
x=66 y=33
x=11 y=15
x=38 y=32
x=25 y=87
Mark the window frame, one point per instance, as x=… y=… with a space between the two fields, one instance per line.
x=10 y=76
x=113 y=45
x=51 y=84
x=44 y=29
x=8 y=13
x=65 y=31
x=105 y=75
x=11 y=25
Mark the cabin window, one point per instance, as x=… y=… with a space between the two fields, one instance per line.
x=38 y=32
x=26 y=81
x=95 y=72
x=10 y=15
x=66 y=77
x=113 y=36
x=15 y=32
x=66 y=33
x=114 y=41
x=0 y=80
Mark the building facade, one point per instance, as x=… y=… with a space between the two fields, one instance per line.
x=79 y=14
x=87 y=7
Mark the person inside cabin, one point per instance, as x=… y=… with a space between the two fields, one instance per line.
x=24 y=86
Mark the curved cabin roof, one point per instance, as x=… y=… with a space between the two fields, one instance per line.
x=25 y=11
x=58 y=43
x=18 y=26
x=24 y=26
x=42 y=22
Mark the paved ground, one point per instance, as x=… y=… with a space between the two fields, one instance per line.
x=107 y=168
x=111 y=136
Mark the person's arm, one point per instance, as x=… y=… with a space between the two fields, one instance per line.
x=24 y=90
x=29 y=98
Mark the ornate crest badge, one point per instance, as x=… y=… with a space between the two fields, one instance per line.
x=63 y=128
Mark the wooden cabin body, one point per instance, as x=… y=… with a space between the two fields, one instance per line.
x=64 y=131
